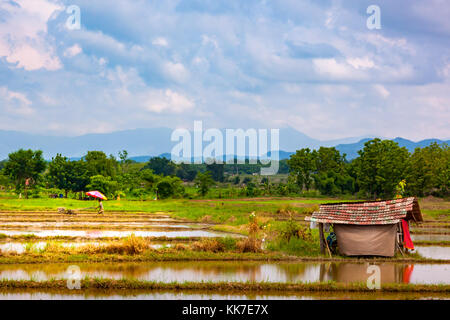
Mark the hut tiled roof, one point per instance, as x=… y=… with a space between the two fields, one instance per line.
x=368 y=213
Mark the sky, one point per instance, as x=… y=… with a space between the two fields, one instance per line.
x=312 y=65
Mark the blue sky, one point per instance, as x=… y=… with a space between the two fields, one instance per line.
x=310 y=65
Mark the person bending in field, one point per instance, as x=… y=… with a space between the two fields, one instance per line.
x=100 y=207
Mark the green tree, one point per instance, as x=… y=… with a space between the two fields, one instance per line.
x=429 y=170
x=25 y=165
x=380 y=166
x=149 y=178
x=99 y=164
x=161 y=165
x=186 y=172
x=216 y=170
x=302 y=164
x=332 y=176
x=168 y=187
x=67 y=175
x=105 y=185
x=204 y=182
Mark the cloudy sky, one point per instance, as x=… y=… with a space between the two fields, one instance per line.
x=310 y=65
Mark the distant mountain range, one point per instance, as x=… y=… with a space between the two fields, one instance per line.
x=142 y=144
x=351 y=149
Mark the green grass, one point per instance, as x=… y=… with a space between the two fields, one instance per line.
x=130 y=284
x=295 y=246
x=229 y=212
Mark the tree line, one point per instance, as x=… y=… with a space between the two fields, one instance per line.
x=375 y=173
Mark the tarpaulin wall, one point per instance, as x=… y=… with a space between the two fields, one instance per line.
x=371 y=240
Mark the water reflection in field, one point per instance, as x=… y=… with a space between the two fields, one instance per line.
x=237 y=271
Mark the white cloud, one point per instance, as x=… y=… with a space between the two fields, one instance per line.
x=167 y=101
x=15 y=102
x=331 y=67
x=176 y=71
x=23 y=34
x=160 y=41
x=73 y=51
x=361 y=63
x=381 y=90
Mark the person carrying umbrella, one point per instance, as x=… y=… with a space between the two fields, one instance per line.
x=100 y=207
x=100 y=197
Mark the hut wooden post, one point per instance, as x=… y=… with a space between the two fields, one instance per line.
x=321 y=237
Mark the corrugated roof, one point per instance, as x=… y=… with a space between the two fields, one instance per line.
x=368 y=213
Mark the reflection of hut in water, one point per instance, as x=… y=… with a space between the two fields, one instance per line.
x=357 y=272
x=375 y=228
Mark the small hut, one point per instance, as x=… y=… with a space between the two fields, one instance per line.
x=374 y=228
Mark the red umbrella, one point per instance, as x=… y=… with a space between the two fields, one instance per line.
x=96 y=194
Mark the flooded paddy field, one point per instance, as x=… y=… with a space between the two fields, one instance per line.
x=430 y=237
x=228 y=271
x=50 y=224
x=91 y=229
x=434 y=252
x=113 y=233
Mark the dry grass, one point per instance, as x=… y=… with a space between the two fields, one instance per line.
x=286 y=210
x=249 y=245
x=211 y=245
x=130 y=245
x=206 y=219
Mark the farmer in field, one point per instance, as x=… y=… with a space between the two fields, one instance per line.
x=100 y=206
x=100 y=196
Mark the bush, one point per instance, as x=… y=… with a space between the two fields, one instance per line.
x=291 y=229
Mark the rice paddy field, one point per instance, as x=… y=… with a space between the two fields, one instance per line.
x=202 y=249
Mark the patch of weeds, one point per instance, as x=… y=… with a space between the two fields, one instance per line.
x=78 y=257
x=295 y=246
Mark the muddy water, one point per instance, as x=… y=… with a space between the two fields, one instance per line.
x=127 y=295
x=113 y=233
x=218 y=271
x=433 y=252
x=101 y=223
x=430 y=237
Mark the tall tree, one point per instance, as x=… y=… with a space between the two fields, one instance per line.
x=161 y=165
x=216 y=170
x=302 y=164
x=429 y=170
x=332 y=177
x=204 y=181
x=67 y=175
x=99 y=164
x=24 y=167
x=381 y=165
